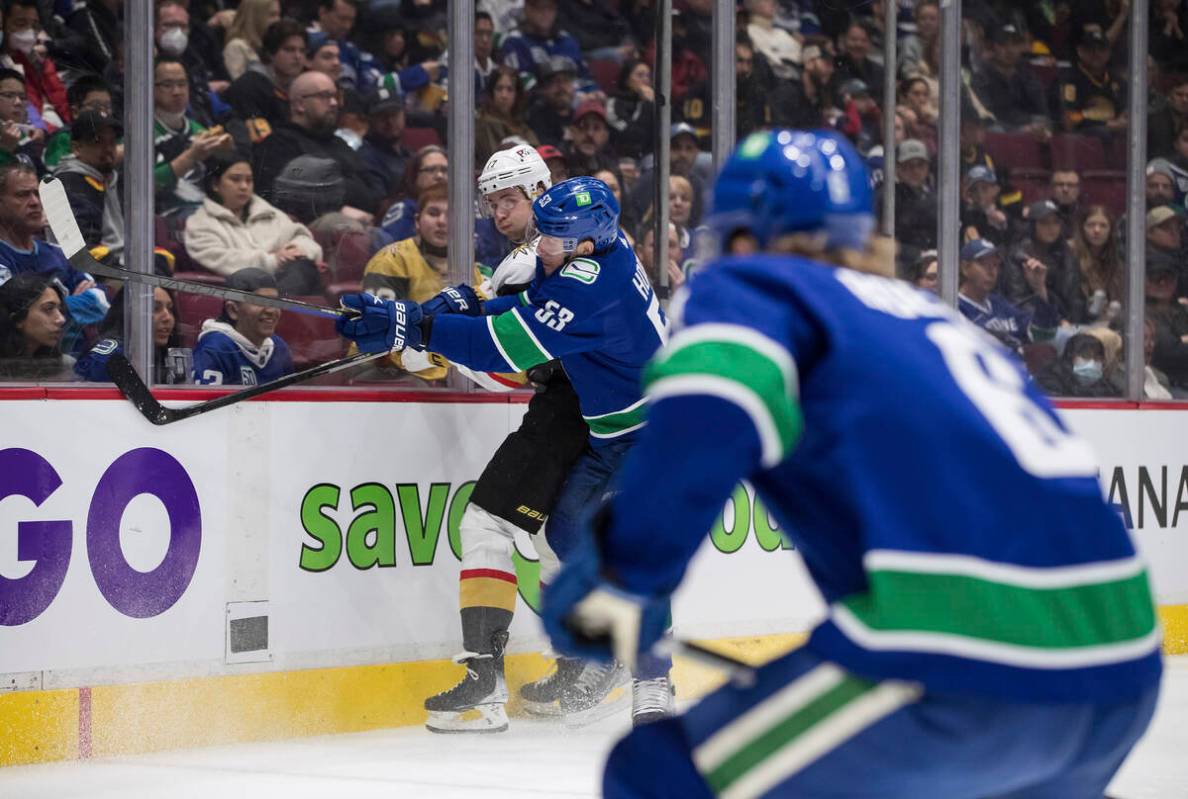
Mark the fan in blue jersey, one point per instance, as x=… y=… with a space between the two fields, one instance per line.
x=241 y=346
x=994 y=636
x=591 y=306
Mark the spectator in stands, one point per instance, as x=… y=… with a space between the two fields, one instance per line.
x=1007 y=87
x=92 y=366
x=25 y=50
x=353 y=120
x=1162 y=185
x=313 y=118
x=1165 y=124
x=383 y=153
x=393 y=32
x=751 y=107
x=861 y=119
x=979 y=302
x=22 y=249
x=87 y=93
x=853 y=61
x=336 y=19
x=912 y=48
x=33 y=320
x=429 y=167
x=924 y=272
x=778 y=47
x=1170 y=317
x=245 y=36
x=589 y=147
x=531 y=47
x=915 y=94
x=1099 y=260
x=646 y=249
x=172 y=35
x=1168 y=45
x=241 y=347
x=1064 y=188
x=1044 y=242
x=501 y=114
x=92 y=182
x=17 y=137
x=322 y=55
x=95 y=36
x=612 y=178
x=981 y=218
x=260 y=96
x=1156 y=385
x=236 y=229
x=631 y=109
x=915 y=198
x=551 y=108
x=1079 y=371
x=600 y=28
x=415 y=268
x=1091 y=98
x=1165 y=228
x=805 y=102
x=182 y=144
x=556 y=161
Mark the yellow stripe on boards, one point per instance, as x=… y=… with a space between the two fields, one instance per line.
x=38 y=726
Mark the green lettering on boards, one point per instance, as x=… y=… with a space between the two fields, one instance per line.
x=422 y=531
x=321 y=528
x=371 y=538
x=728 y=541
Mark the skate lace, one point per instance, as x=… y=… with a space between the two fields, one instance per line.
x=465 y=659
x=592 y=675
x=651 y=696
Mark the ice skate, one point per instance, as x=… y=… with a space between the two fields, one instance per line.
x=476 y=704
x=541 y=697
x=600 y=690
x=652 y=700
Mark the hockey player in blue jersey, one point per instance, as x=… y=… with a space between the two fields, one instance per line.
x=591 y=306
x=994 y=637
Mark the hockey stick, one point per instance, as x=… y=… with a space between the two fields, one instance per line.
x=133 y=388
x=70 y=239
x=741 y=674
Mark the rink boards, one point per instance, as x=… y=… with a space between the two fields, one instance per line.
x=290 y=567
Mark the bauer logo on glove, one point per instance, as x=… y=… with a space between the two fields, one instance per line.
x=382 y=325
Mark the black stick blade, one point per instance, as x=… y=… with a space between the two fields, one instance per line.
x=133 y=388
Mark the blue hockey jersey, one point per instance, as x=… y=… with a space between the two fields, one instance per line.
x=598 y=315
x=223 y=357
x=953 y=524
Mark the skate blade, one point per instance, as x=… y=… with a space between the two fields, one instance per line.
x=616 y=700
x=479 y=719
x=541 y=709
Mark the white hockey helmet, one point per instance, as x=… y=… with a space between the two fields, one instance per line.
x=519 y=166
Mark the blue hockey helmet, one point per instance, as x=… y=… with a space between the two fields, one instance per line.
x=790 y=181
x=578 y=209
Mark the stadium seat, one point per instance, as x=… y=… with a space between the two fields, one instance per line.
x=605 y=73
x=192 y=311
x=1077 y=152
x=311 y=339
x=1034 y=184
x=1016 y=150
x=1105 y=187
x=416 y=138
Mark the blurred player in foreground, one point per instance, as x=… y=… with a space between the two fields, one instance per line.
x=992 y=637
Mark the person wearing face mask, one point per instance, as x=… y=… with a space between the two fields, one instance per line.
x=172 y=36
x=24 y=50
x=241 y=347
x=1079 y=372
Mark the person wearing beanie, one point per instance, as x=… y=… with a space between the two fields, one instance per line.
x=241 y=347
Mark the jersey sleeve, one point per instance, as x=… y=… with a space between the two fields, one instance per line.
x=723 y=405
x=563 y=317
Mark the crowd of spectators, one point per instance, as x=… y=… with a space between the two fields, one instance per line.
x=306 y=140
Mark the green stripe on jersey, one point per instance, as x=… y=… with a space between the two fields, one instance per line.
x=1026 y=621
x=739 y=373
x=612 y=425
x=515 y=341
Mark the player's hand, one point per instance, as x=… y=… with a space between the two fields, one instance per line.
x=460 y=299
x=587 y=615
x=382 y=325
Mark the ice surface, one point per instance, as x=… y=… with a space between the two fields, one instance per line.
x=534 y=758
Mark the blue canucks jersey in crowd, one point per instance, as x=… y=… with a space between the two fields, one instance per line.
x=598 y=315
x=44 y=257
x=1014 y=581
x=224 y=357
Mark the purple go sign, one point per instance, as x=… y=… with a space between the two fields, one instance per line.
x=131 y=592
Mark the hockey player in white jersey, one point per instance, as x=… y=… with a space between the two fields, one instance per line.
x=518 y=486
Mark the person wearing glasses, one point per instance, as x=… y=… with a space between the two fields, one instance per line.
x=313 y=118
x=182 y=144
x=17 y=136
x=428 y=167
